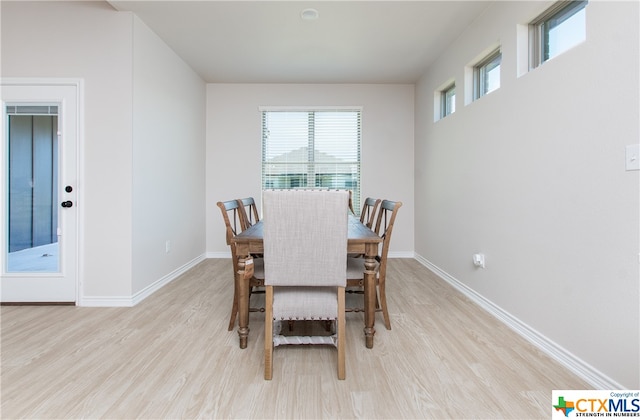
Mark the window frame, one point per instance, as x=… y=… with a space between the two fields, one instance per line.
x=480 y=71
x=538 y=29
x=311 y=162
x=447 y=106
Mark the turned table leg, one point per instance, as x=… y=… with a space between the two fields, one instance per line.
x=242 y=284
x=370 y=293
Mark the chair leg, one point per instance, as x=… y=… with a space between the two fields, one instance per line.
x=268 y=333
x=341 y=334
x=234 y=310
x=383 y=303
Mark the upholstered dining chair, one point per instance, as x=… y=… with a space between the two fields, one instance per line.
x=355 y=266
x=305 y=249
x=249 y=212
x=232 y=213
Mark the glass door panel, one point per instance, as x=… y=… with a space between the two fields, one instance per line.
x=33 y=190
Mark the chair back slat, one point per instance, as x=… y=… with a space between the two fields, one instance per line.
x=249 y=211
x=369 y=209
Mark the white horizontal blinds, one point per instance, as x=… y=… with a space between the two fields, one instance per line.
x=285 y=141
x=32 y=110
x=312 y=149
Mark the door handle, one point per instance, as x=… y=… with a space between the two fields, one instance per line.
x=67 y=204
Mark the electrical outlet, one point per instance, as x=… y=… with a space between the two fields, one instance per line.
x=478 y=260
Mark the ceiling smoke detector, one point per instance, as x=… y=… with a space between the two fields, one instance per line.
x=309 y=14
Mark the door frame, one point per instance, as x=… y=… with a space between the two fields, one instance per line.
x=78 y=84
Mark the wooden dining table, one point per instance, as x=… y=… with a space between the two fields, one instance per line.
x=361 y=240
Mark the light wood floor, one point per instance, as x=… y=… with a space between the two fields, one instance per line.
x=171 y=356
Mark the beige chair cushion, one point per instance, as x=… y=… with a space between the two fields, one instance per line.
x=291 y=303
x=258 y=268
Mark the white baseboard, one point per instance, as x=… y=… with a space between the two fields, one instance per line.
x=129 y=301
x=105 y=301
x=578 y=366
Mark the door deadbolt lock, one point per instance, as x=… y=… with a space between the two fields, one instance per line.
x=68 y=188
x=67 y=204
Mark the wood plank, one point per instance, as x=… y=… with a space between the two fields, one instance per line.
x=171 y=356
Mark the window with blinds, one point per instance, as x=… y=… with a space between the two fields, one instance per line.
x=311 y=149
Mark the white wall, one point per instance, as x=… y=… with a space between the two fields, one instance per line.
x=125 y=149
x=168 y=160
x=234 y=150
x=533 y=176
x=87 y=40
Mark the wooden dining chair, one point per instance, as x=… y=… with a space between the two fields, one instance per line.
x=355 y=266
x=249 y=212
x=367 y=215
x=351 y=203
x=232 y=213
x=369 y=209
x=305 y=248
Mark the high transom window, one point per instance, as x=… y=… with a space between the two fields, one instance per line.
x=560 y=28
x=448 y=100
x=486 y=74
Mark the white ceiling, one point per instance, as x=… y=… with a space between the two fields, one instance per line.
x=268 y=41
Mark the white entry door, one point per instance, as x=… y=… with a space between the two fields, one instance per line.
x=39 y=190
